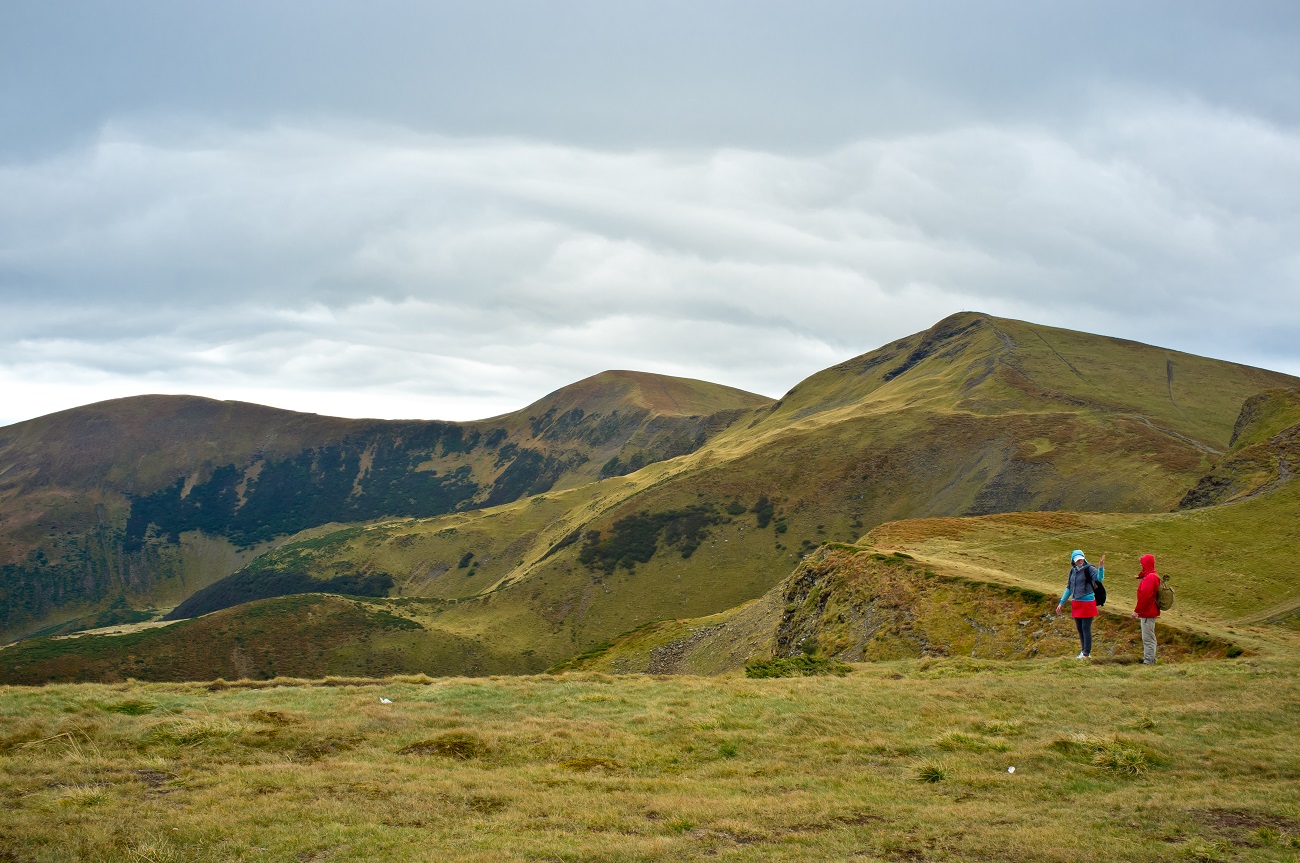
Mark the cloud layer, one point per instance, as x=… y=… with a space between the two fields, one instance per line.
x=369 y=270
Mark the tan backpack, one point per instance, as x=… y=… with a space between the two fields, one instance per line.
x=1164 y=594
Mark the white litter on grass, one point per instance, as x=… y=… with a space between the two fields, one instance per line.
x=383 y=700
x=1011 y=770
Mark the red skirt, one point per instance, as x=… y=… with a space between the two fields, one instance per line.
x=1083 y=609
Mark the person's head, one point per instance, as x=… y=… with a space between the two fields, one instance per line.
x=1148 y=562
x=1077 y=558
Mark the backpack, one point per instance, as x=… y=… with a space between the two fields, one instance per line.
x=1098 y=589
x=1164 y=595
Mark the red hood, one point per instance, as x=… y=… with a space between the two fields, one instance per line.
x=1148 y=564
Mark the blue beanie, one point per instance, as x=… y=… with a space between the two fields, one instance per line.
x=1075 y=555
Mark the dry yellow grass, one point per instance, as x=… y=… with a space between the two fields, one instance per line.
x=1188 y=762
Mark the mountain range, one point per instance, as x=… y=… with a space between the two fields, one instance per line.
x=288 y=543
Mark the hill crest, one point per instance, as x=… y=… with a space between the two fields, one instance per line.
x=662 y=395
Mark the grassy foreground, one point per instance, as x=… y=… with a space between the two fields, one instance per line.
x=904 y=760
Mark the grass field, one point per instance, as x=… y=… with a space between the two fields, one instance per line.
x=1233 y=565
x=902 y=760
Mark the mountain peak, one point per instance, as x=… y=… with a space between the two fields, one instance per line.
x=664 y=395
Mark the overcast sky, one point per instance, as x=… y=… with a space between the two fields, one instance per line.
x=447 y=210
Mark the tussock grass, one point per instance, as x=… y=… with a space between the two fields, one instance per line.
x=1121 y=758
x=1112 y=754
x=931 y=770
x=79 y=796
x=455 y=744
x=803 y=665
x=587 y=767
x=1000 y=727
x=130 y=706
x=189 y=731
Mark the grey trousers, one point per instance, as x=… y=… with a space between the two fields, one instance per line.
x=1149 y=640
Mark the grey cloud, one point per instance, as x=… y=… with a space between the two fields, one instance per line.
x=759 y=74
x=386 y=271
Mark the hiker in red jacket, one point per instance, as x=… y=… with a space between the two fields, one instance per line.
x=1147 y=610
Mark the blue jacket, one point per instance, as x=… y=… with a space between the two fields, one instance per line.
x=1079 y=585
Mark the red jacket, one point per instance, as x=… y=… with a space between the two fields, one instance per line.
x=1150 y=582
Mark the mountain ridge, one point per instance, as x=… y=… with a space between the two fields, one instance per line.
x=107 y=494
x=695 y=515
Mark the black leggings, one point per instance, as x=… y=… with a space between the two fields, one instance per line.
x=1084 y=625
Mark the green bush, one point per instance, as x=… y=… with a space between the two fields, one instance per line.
x=803 y=665
x=635 y=538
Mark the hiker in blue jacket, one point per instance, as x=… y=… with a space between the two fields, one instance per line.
x=1081 y=590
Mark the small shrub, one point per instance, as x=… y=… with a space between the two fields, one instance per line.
x=460 y=745
x=795 y=666
x=931 y=771
x=728 y=750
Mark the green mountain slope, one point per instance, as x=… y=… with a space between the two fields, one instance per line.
x=308 y=636
x=976 y=415
x=148 y=499
x=960 y=420
x=1265 y=450
x=981 y=587
x=1232 y=564
x=985 y=587
x=858 y=604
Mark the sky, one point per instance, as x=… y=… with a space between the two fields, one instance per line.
x=447 y=210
